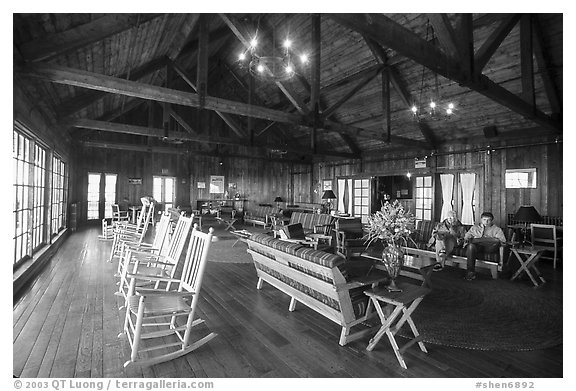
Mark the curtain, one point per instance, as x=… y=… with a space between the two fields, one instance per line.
x=467 y=181
x=447 y=182
x=341 y=190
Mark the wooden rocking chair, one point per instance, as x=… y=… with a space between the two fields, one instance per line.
x=161 y=242
x=157 y=265
x=124 y=232
x=147 y=307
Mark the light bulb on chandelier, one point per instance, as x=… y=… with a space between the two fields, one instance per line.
x=273 y=67
x=436 y=106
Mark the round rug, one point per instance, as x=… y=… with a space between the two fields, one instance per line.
x=488 y=314
x=223 y=252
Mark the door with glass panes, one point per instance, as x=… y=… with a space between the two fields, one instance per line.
x=101 y=195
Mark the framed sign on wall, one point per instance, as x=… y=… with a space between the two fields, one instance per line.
x=216 y=184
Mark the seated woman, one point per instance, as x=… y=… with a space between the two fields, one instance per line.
x=446 y=235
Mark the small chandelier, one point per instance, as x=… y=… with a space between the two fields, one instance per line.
x=435 y=108
x=273 y=67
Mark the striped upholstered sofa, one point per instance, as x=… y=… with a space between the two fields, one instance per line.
x=313 y=222
x=324 y=282
x=260 y=215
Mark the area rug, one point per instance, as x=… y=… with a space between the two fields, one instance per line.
x=223 y=252
x=487 y=314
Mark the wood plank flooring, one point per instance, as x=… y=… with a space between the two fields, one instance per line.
x=66 y=325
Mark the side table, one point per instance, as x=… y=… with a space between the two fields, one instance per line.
x=404 y=302
x=528 y=256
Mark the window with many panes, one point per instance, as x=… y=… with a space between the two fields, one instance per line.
x=362 y=198
x=424 y=197
x=163 y=190
x=59 y=185
x=38 y=201
x=39 y=195
x=23 y=163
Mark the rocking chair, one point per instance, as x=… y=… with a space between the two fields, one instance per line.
x=147 y=307
x=132 y=232
x=156 y=265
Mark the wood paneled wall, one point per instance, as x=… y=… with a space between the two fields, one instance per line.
x=261 y=180
x=257 y=180
x=489 y=164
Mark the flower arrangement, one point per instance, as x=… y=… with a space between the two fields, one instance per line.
x=392 y=225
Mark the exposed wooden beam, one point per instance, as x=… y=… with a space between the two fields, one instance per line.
x=85 y=79
x=367 y=79
x=315 y=39
x=159 y=133
x=84 y=99
x=400 y=87
x=390 y=34
x=241 y=33
x=134 y=147
x=545 y=67
x=228 y=119
x=466 y=45
x=526 y=60
x=445 y=33
x=54 y=45
x=493 y=41
x=386 y=122
x=202 y=64
x=182 y=121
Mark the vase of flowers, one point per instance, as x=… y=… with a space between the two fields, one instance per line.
x=391 y=225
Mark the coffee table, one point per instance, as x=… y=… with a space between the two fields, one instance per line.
x=417 y=267
x=241 y=235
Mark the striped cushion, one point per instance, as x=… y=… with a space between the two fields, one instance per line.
x=319 y=257
x=311 y=220
x=277 y=244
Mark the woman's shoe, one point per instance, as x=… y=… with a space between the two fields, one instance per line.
x=438 y=267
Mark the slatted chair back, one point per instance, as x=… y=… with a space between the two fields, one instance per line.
x=161 y=233
x=178 y=239
x=196 y=256
x=545 y=235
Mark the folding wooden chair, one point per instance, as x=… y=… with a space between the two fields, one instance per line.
x=545 y=235
x=157 y=265
x=146 y=307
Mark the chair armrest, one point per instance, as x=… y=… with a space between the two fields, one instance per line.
x=149 y=277
x=156 y=292
x=357 y=282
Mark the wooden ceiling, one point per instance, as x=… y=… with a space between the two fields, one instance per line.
x=94 y=75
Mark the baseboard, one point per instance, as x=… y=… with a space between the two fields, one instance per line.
x=32 y=267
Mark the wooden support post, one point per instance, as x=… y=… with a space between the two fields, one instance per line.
x=251 y=87
x=467 y=46
x=526 y=64
x=315 y=79
x=202 y=67
x=386 y=125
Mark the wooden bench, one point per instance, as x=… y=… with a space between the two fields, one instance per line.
x=260 y=215
x=323 y=282
x=459 y=261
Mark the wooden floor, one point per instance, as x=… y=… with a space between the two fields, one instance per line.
x=66 y=325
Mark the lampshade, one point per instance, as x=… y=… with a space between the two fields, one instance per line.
x=527 y=214
x=278 y=199
x=328 y=195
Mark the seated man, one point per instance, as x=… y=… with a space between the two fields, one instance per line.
x=484 y=238
x=446 y=236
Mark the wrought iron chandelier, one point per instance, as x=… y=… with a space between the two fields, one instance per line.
x=435 y=107
x=278 y=66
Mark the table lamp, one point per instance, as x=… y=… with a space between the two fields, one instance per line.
x=278 y=200
x=526 y=214
x=329 y=195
